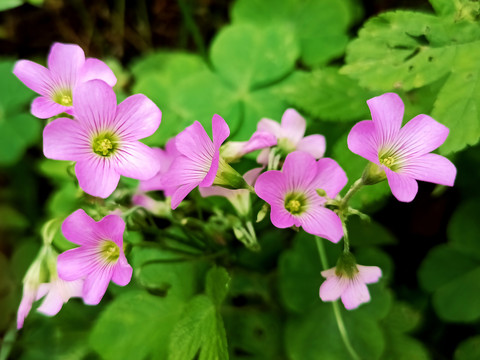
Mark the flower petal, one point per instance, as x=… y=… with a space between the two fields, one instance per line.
x=79 y=228
x=432 y=168
x=421 y=135
x=194 y=143
x=136 y=160
x=355 y=294
x=52 y=304
x=75 y=263
x=369 y=274
x=332 y=288
x=96 y=69
x=300 y=169
x=97 y=176
x=314 y=145
x=259 y=140
x=322 y=222
x=252 y=175
x=362 y=140
x=330 y=177
x=216 y=191
x=34 y=76
x=269 y=126
x=270 y=187
x=281 y=218
x=387 y=115
x=122 y=272
x=293 y=125
x=96 y=284
x=220 y=131
x=111 y=227
x=181 y=193
x=64 y=139
x=137 y=117
x=44 y=108
x=403 y=187
x=95 y=105
x=65 y=62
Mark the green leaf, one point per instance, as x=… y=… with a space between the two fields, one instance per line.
x=136 y=325
x=443 y=7
x=17 y=132
x=365 y=233
x=10 y=4
x=404 y=347
x=217 y=284
x=319 y=26
x=199 y=329
x=315 y=335
x=326 y=94
x=468 y=349
x=464 y=229
x=11 y=219
x=247 y=56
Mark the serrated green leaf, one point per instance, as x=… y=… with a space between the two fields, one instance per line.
x=326 y=94
x=136 y=325
x=468 y=349
x=217 y=285
x=247 y=56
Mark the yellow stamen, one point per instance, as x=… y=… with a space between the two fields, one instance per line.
x=293 y=206
x=109 y=251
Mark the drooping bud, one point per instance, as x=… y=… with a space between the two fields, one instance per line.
x=229 y=178
x=373 y=174
x=346 y=265
x=263 y=212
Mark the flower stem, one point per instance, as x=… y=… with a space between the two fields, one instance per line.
x=357 y=185
x=336 y=308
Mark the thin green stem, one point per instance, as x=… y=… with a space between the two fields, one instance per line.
x=336 y=308
x=346 y=240
x=357 y=185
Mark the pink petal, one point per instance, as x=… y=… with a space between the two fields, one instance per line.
x=330 y=177
x=387 y=115
x=369 y=274
x=64 y=139
x=122 y=272
x=34 y=76
x=262 y=158
x=432 y=168
x=97 y=176
x=136 y=160
x=403 y=187
x=65 y=62
x=216 y=191
x=96 y=69
x=96 y=284
x=355 y=294
x=252 y=175
x=44 y=108
x=181 y=193
x=25 y=307
x=220 y=131
x=421 y=135
x=332 y=288
x=329 y=272
x=163 y=160
x=52 y=304
x=300 y=169
x=322 y=222
x=76 y=263
x=269 y=126
x=270 y=187
x=95 y=105
x=314 y=145
x=111 y=227
x=79 y=228
x=281 y=218
x=362 y=140
x=212 y=171
x=259 y=140
x=293 y=125
x=194 y=143
x=137 y=117
x=42 y=290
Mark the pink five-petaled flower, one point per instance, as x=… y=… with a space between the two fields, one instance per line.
x=403 y=153
x=199 y=158
x=103 y=138
x=57 y=292
x=67 y=68
x=349 y=285
x=293 y=197
x=289 y=135
x=100 y=257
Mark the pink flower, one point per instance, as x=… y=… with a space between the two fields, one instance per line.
x=402 y=153
x=292 y=194
x=350 y=286
x=57 y=292
x=103 y=138
x=67 y=68
x=100 y=257
x=234 y=150
x=239 y=198
x=199 y=158
x=289 y=135
x=26 y=303
x=164 y=159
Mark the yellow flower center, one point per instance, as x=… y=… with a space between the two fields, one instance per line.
x=63 y=97
x=109 y=251
x=387 y=161
x=295 y=203
x=104 y=145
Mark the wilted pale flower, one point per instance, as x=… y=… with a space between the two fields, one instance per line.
x=293 y=197
x=103 y=138
x=100 y=257
x=348 y=281
x=67 y=68
x=402 y=153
